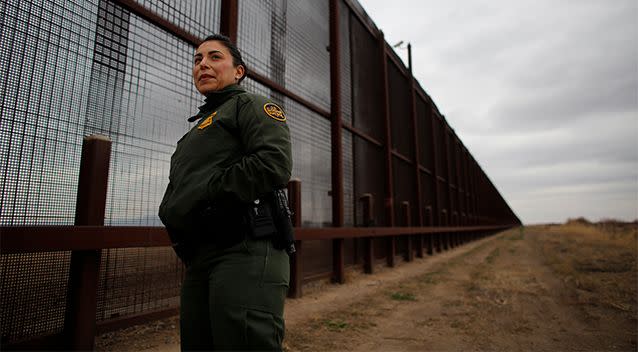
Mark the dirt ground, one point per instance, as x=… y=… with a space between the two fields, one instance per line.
x=544 y=288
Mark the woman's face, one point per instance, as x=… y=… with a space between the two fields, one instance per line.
x=213 y=67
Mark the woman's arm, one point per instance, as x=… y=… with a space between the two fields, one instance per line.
x=267 y=163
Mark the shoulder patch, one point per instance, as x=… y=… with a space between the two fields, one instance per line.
x=274 y=111
x=207 y=122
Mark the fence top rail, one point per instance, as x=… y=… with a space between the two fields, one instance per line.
x=29 y=239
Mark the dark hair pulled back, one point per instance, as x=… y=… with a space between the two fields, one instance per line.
x=234 y=52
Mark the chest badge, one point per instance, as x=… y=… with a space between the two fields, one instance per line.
x=207 y=122
x=274 y=111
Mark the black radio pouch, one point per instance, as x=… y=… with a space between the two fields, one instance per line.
x=260 y=220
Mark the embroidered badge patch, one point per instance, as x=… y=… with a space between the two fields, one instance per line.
x=207 y=122
x=274 y=111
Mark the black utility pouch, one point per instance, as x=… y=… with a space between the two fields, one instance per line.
x=260 y=221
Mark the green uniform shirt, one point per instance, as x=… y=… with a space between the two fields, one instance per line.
x=239 y=150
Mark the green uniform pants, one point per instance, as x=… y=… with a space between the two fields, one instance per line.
x=233 y=299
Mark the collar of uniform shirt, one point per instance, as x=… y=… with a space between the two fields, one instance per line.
x=215 y=99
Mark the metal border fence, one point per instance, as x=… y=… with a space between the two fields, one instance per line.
x=401 y=183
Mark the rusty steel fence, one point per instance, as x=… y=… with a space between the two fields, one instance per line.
x=379 y=175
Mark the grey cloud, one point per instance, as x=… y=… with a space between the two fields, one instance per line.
x=582 y=66
x=596 y=140
x=576 y=174
x=570 y=190
x=556 y=109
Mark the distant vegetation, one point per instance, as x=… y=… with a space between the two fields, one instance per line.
x=604 y=223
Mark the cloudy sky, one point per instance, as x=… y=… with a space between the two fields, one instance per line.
x=543 y=93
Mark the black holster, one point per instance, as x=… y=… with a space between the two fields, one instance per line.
x=269 y=217
x=283 y=222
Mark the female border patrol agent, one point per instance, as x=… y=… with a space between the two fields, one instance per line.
x=220 y=212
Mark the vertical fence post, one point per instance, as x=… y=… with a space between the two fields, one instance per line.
x=468 y=194
x=228 y=17
x=448 y=178
x=407 y=221
x=368 y=220
x=475 y=191
x=480 y=215
x=470 y=206
x=389 y=187
x=296 y=269
x=436 y=206
x=79 y=318
x=457 y=181
x=338 y=273
x=417 y=159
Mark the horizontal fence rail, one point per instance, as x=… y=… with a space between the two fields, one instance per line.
x=33 y=239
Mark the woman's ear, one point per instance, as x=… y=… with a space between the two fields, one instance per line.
x=239 y=72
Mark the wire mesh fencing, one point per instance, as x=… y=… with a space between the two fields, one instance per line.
x=120 y=68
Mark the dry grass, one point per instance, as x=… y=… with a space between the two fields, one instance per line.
x=597 y=260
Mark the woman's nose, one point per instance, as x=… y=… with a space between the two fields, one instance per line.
x=204 y=63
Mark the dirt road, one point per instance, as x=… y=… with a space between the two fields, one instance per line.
x=507 y=292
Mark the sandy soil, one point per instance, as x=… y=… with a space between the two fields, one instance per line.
x=543 y=289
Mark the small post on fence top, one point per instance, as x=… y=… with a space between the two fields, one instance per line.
x=448 y=223
x=446 y=235
x=407 y=221
x=429 y=222
x=419 y=243
x=368 y=220
x=463 y=223
x=79 y=319
x=391 y=249
x=439 y=236
x=455 y=238
x=296 y=269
